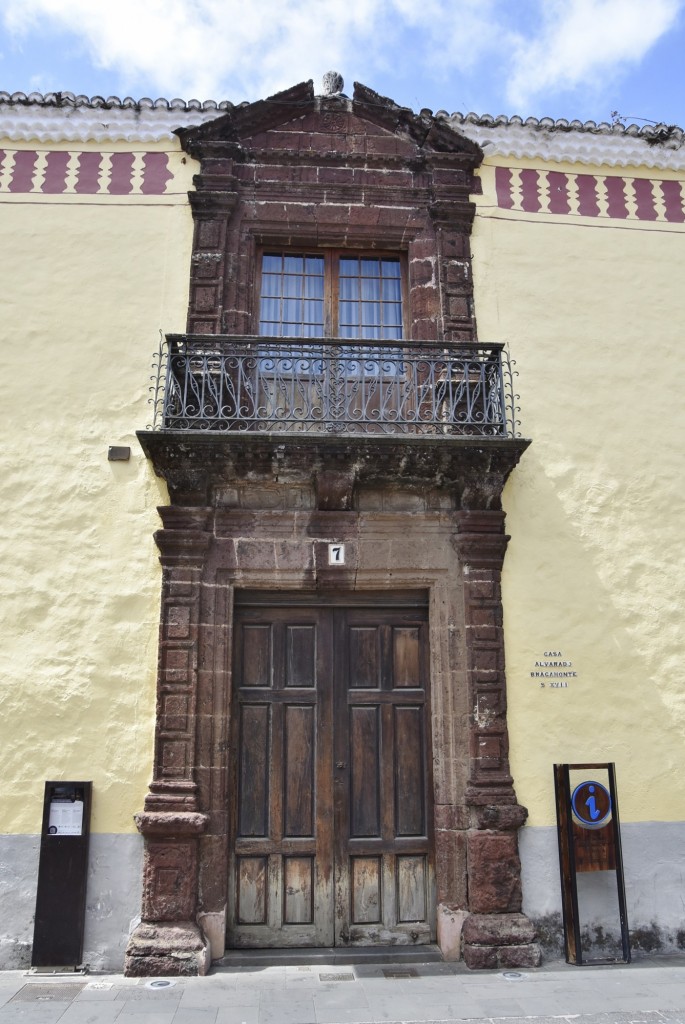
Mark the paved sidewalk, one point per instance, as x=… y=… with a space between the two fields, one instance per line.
x=649 y=991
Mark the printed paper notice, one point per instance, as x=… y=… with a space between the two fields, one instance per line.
x=66 y=818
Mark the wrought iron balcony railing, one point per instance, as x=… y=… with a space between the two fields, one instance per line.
x=281 y=385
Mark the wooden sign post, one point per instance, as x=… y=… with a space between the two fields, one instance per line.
x=589 y=840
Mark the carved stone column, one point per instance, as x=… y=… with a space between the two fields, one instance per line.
x=496 y=933
x=212 y=205
x=453 y=220
x=168 y=940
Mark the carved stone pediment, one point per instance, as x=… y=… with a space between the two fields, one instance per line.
x=298 y=110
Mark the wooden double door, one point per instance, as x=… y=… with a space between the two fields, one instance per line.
x=331 y=811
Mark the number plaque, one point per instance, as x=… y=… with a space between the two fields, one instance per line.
x=336 y=554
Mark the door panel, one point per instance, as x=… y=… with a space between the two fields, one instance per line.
x=299 y=784
x=281 y=879
x=383 y=866
x=253 y=805
x=409 y=781
x=332 y=804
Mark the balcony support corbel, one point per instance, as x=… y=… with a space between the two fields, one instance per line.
x=335 y=488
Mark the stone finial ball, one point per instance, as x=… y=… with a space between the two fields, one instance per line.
x=332 y=83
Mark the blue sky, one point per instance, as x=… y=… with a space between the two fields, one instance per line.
x=559 y=58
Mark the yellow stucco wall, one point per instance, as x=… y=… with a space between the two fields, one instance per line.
x=87 y=284
x=593 y=310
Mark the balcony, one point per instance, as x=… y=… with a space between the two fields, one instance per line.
x=216 y=384
x=332 y=418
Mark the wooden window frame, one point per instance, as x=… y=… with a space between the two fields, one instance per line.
x=331 y=257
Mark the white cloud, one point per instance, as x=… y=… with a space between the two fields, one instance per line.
x=197 y=47
x=237 y=49
x=584 y=42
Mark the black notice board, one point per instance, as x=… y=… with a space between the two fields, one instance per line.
x=62 y=872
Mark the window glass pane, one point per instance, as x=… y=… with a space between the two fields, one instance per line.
x=349 y=313
x=371 y=313
x=313 y=287
x=370 y=268
x=292 y=311
x=390 y=268
x=314 y=265
x=349 y=288
x=391 y=288
x=272 y=262
x=392 y=333
x=312 y=331
x=349 y=267
x=371 y=288
x=270 y=309
x=271 y=284
x=292 y=330
x=293 y=264
x=292 y=285
x=392 y=314
x=313 y=312
x=269 y=330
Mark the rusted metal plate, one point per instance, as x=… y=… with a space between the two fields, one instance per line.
x=57 y=993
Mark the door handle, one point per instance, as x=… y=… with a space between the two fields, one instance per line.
x=341 y=764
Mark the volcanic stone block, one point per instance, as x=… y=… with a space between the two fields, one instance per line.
x=170 y=950
x=494 y=872
x=498 y=929
x=494 y=957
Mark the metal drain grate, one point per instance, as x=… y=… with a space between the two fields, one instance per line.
x=400 y=972
x=60 y=993
x=336 y=977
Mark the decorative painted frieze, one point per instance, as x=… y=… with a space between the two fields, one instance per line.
x=529 y=190
x=64 y=172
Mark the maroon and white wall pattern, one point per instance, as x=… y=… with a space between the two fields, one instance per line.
x=612 y=196
x=526 y=190
x=85 y=172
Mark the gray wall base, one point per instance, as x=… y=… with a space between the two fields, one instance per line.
x=653 y=859
x=653 y=862
x=112 y=899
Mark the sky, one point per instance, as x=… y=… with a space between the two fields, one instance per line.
x=599 y=60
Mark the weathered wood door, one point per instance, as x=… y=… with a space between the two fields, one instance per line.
x=331 y=816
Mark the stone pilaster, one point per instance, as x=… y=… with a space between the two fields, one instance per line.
x=168 y=940
x=212 y=205
x=496 y=934
x=453 y=220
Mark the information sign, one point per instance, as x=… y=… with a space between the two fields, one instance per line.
x=589 y=841
x=591 y=805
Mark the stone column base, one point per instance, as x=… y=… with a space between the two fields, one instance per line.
x=500 y=940
x=450 y=923
x=167 y=948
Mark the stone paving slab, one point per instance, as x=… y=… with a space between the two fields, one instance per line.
x=650 y=992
